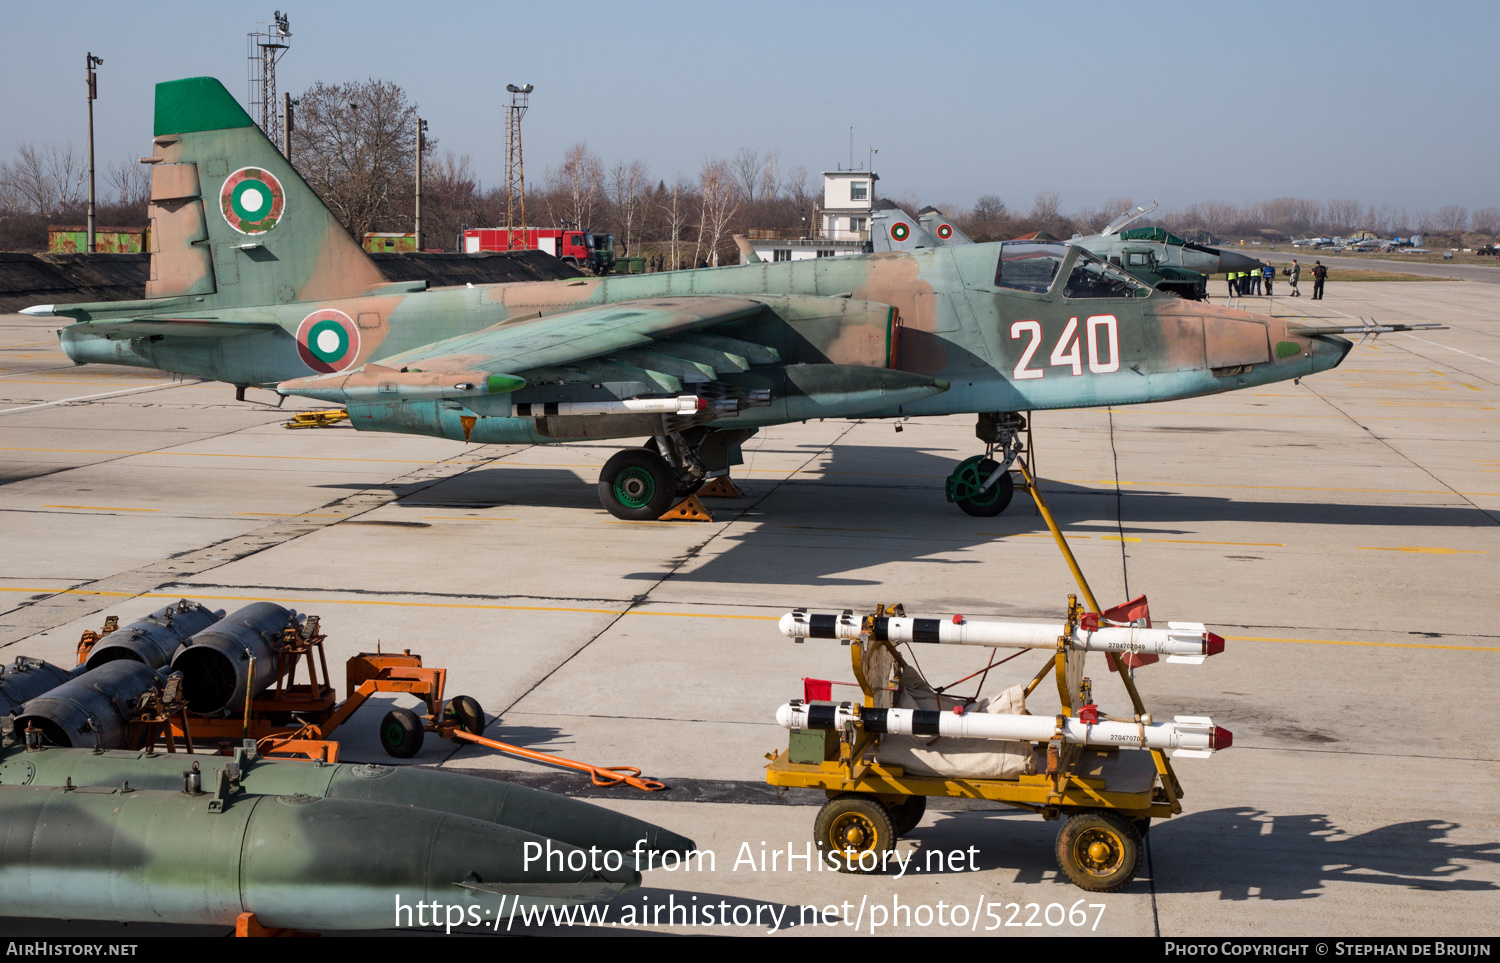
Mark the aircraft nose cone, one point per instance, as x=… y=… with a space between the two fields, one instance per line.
x=1235 y=261
x=1329 y=350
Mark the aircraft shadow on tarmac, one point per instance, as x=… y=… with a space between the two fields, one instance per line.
x=869 y=508
x=1268 y=856
x=1241 y=853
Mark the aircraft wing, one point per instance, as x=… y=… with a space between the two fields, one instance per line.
x=518 y=345
x=611 y=337
x=645 y=347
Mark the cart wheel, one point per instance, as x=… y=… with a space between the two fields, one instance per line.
x=401 y=733
x=854 y=833
x=465 y=711
x=1099 y=850
x=906 y=815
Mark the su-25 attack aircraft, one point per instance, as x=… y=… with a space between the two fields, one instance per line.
x=254 y=283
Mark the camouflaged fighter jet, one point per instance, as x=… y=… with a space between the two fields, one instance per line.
x=253 y=282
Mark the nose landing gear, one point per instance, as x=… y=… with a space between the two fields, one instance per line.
x=983 y=485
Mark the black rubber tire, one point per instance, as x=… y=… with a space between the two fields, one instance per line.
x=906 y=814
x=994 y=501
x=466 y=711
x=401 y=733
x=1099 y=850
x=637 y=485
x=856 y=824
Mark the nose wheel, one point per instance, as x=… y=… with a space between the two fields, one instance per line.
x=983 y=485
x=967 y=487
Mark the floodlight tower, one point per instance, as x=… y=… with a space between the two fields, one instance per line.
x=267 y=46
x=515 y=170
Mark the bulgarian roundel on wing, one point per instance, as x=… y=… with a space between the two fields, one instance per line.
x=252 y=200
x=899 y=231
x=945 y=231
x=328 y=341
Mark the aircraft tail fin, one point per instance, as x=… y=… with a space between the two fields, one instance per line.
x=231 y=219
x=892 y=229
x=940 y=226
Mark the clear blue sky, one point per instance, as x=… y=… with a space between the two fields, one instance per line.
x=1386 y=102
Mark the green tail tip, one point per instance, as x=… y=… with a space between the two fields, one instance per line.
x=197 y=103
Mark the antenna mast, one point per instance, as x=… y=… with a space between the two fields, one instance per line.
x=515 y=169
x=267 y=46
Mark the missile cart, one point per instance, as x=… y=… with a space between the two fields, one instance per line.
x=1106 y=777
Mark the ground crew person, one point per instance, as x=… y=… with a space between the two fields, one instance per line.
x=1269 y=273
x=1320 y=274
x=1292 y=275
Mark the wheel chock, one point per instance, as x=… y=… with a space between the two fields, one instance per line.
x=722 y=487
x=687 y=510
x=316 y=419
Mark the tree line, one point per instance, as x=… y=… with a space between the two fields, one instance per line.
x=356 y=144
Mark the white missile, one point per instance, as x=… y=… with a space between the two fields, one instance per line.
x=1189 y=642
x=680 y=405
x=1192 y=736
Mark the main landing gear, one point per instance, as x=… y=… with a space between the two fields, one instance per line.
x=983 y=485
x=640 y=484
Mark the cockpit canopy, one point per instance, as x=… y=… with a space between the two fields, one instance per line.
x=1035 y=266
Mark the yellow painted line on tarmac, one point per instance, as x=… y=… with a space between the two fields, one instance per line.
x=1069 y=535
x=1469 y=386
x=291 y=515
x=104 y=508
x=1120 y=538
x=1383 y=645
x=1422 y=549
x=1190 y=541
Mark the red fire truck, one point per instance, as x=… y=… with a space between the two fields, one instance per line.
x=581 y=249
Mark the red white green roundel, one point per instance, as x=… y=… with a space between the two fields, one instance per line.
x=252 y=200
x=944 y=231
x=328 y=341
x=899 y=231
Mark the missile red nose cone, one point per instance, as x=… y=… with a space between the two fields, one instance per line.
x=1221 y=739
x=1213 y=644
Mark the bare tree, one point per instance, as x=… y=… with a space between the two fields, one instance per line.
x=674 y=209
x=450 y=198
x=1486 y=220
x=797 y=188
x=45 y=180
x=721 y=198
x=576 y=188
x=1453 y=217
x=131 y=182
x=748 y=170
x=356 y=145
x=627 y=186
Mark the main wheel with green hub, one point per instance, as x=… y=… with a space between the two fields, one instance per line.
x=966 y=487
x=854 y=833
x=637 y=485
x=1099 y=850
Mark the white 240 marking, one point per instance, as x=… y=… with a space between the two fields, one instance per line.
x=1066 y=354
